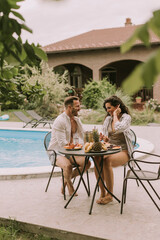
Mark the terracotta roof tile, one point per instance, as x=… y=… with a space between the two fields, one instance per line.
x=101 y=38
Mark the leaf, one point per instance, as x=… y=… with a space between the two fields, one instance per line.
x=16 y=27
x=23 y=26
x=7 y=74
x=1 y=46
x=143 y=34
x=23 y=55
x=134 y=82
x=13 y=4
x=157 y=60
x=140 y=33
x=4 y=6
x=149 y=72
x=18 y=15
x=29 y=50
x=154 y=23
x=40 y=53
x=128 y=44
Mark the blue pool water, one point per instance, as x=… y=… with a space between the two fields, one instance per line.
x=21 y=148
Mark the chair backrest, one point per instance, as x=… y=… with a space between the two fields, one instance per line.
x=47 y=140
x=22 y=117
x=134 y=137
x=34 y=114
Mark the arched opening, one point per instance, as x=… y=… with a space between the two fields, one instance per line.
x=118 y=71
x=78 y=75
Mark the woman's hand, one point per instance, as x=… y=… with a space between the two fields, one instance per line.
x=103 y=138
x=117 y=111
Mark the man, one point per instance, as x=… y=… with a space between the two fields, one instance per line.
x=67 y=127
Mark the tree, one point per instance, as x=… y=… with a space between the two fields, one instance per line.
x=13 y=52
x=145 y=74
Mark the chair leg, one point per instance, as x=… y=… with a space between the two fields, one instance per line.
x=125 y=191
x=88 y=183
x=123 y=194
x=50 y=178
x=124 y=173
x=137 y=182
x=63 y=184
x=149 y=195
x=153 y=189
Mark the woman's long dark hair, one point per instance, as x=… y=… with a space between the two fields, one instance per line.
x=114 y=101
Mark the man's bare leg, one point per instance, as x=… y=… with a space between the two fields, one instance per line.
x=66 y=165
x=80 y=161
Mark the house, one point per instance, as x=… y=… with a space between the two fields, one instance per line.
x=96 y=54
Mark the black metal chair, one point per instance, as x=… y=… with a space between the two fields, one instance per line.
x=134 y=141
x=138 y=173
x=52 y=157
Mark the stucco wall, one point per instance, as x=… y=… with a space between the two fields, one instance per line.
x=96 y=59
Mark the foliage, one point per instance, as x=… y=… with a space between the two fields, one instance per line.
x=153 y=105
x=145 y=74
x=44 y=89
x=18 y=89
x=90 y=116
x=13 y=51
x=95 y=92
x=144 y=117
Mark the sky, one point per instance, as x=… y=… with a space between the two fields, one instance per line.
x=52 y=21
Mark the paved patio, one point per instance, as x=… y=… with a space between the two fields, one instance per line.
x=26 y=201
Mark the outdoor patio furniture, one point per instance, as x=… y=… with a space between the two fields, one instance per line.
x=134 y=141
x=52 y=157
x=25 y=119
x=142 y=175
x=40 y=119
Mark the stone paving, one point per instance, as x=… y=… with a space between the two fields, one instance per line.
x=26 y=201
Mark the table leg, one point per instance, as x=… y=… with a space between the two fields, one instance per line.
x=80 y=179
x=86 y=161
x=100 y=178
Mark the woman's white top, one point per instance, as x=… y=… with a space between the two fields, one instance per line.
x=123 y=125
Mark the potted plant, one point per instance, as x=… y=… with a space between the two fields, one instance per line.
x=138 y=99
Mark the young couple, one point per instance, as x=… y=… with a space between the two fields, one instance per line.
x=115 y=130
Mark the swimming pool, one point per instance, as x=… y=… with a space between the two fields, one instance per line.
x=22 y=148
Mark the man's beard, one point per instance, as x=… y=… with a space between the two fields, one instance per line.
x=74 y=112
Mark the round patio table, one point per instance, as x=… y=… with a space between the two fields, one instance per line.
x=81 y=152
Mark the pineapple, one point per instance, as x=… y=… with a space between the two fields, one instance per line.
x=97 y=145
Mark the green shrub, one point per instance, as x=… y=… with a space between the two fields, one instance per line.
x=96 y=92
x=90 y=94
x=143 y=117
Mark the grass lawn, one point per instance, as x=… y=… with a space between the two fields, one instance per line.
x=12 y=117
x=12 y=232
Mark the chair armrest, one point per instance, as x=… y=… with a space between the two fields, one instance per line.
x=147 y=153
x=135 y=162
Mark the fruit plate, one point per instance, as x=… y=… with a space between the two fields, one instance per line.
x=92 y=151
x=114 y=148
x=73 y=149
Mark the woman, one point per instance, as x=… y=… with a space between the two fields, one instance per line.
x=115 y=131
